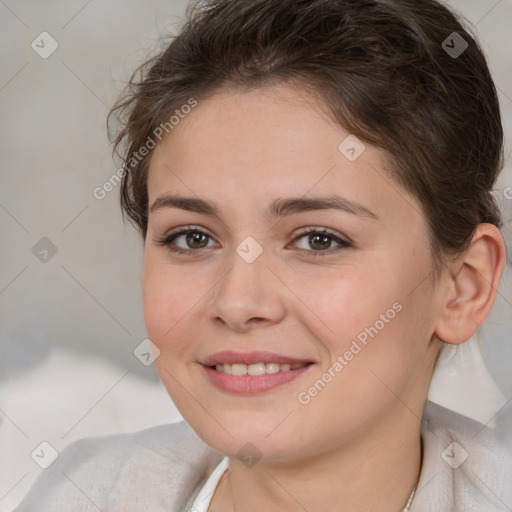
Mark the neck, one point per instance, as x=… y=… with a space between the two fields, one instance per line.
x=376 y=471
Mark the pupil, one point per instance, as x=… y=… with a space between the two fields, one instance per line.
x=313 y=240
x=192 y=238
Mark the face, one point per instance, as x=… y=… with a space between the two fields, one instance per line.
x=308 y=268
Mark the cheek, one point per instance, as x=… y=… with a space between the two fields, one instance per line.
x=168 y=298
x=368 y=316
x=342 y=303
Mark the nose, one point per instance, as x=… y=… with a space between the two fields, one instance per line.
x=249 y=295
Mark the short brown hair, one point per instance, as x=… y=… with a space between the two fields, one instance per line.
x=383 y=69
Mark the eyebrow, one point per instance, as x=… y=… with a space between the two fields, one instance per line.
x=278 y=208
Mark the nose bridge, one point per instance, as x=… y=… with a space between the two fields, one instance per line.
x=247 y=291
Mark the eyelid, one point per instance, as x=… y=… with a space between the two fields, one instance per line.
x=186 y=228
x=323 y=230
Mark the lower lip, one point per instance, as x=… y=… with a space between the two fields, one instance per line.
x=252 y=384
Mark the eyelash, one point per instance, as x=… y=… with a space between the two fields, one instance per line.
x=168 y=239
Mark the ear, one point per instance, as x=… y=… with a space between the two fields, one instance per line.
x=472 y=286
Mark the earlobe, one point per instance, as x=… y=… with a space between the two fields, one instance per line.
x=473 y=286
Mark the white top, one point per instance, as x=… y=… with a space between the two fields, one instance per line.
x=466 y=467
x=204 y=498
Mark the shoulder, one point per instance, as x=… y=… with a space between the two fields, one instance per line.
x=157 y=469
x=467 y=466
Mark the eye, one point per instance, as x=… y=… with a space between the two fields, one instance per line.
x=193 y=238
x=320 y=240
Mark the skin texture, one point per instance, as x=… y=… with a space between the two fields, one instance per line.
x=356 y=445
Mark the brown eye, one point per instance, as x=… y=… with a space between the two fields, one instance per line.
x=319 y=241
x=190 y=240
x=196 y=239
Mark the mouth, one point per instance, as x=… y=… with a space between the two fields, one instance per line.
x=254 y=372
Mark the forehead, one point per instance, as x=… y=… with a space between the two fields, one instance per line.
x=266 y=143
x=259 y=126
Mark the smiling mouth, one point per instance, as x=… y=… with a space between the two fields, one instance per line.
x=256 y=368
x=254 y=378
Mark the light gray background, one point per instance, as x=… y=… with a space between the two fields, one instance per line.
x=68 y=327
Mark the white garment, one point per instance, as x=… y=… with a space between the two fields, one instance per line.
x=163 y=469
x=462 y=383
x=204 y=498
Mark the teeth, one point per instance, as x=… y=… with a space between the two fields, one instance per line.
x=256 y=369
x=272 y=367
x=239 y=369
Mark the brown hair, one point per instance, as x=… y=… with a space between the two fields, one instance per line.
x=383 y=68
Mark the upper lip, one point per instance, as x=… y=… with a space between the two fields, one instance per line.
x=230 y=357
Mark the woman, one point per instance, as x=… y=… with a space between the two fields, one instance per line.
x=312 y=180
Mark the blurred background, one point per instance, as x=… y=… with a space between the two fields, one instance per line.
x=71 y=322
